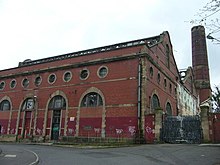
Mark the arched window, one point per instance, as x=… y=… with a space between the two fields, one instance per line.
x=155 y=102
x=5 y=105
x=158 y=78
x=168 y=109
x=28 y=104
x=57 y=103
x=151 y=72
x=92 y=100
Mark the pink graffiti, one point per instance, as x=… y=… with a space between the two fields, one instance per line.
x=132 y=130
x=2 y=130
x=12 y=131
x=70 y=131
x=97 y=130
x=39 y=131
x=119 y=131
x=149 y=130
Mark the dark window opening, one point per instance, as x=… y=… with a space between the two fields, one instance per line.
x=92 y=100
x=168 y=109
x=158 y=78
x=25 y=83
x=67 y=76
x=170 y=88
x=165 y=83
x=5 y=105
x=155 y=102
x=28 y=104
x=57 y=103
x=2 y=85
x=84 y=74
x=13 y=84
x=103 y=71
x=151 y=72
x=52 y=78
x=38 y=81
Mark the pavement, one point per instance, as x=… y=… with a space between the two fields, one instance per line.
x=210 y=144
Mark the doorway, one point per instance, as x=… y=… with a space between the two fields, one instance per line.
x=55 y=125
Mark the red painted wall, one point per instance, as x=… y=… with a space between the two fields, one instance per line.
x=214 y=120
x=119 y=89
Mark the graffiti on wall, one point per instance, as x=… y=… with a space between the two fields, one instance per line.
x=71 y=131
x=39 y=131
x=12 y=131
x=149 y=130
x=2 y=130
x=97 y=130
x=132 y=130
x=119 y=131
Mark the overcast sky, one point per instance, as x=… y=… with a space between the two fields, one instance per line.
x=34 y=29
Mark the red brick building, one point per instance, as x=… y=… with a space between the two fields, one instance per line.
x=111 y=91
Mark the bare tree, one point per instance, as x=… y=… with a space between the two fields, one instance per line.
x=216 y=99
x=209 y=17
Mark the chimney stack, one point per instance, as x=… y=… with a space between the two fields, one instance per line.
x=200 y=63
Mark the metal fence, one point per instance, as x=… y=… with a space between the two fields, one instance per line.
x=181 y=129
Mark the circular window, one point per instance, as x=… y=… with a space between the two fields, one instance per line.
x=2 y=85
x=52 y=78
x=13 y=84
x=67 y=76
x=38 y=80
x=84 y=74
x=102 y=72
x=25 y=83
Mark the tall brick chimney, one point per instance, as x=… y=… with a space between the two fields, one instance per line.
x=200 y=63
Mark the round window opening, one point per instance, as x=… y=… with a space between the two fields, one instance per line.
x=2 y=85
x=25 y=83
x=13 y=84
x=84 y=74
x=52 y=78
x=38 y=81
x=67 y=76
x=103 y=71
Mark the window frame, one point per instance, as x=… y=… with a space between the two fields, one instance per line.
x=36 y=83
x=25 y=83
x=165 y=83
x=64 y=76
x=28 y=104
x=2 y=85
x=15 y=84
x=58 y=99
x=99 y=72
x=81 y=72
x=158 y=78
x=151 y=72
x=2 y=105
x=88 y=102
x=155 y=100
x=54 y=80
x=169 y=113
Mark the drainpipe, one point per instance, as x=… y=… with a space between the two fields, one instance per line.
x=140 y=131
x=139 y=90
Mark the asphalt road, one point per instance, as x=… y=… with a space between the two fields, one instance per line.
x=159 y=154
